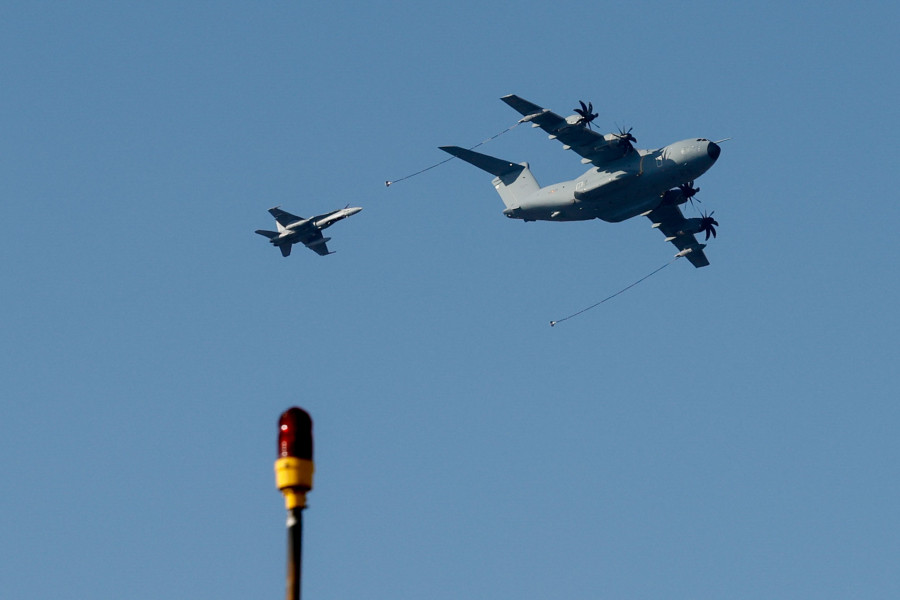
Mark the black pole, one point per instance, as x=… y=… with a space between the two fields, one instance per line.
x=294 y=552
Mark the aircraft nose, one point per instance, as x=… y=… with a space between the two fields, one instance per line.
x=713 y=150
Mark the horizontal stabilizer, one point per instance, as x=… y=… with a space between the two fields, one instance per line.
x=268 y=234
x=494 y=166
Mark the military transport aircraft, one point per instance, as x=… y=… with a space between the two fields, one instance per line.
x=293 y=229
x=622 y=183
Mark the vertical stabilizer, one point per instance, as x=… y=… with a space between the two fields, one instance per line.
x=513 y=187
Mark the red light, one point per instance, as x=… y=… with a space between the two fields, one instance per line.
x=295 y=434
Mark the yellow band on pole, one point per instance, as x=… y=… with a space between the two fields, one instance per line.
x=294 y=477
x=294 y=499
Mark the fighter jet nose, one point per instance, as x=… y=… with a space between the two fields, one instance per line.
x=713 y=150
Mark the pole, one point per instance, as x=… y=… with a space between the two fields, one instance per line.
x=294 y=553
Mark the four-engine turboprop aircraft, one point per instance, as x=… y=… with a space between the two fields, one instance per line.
x=293 y=229
x=623 y=182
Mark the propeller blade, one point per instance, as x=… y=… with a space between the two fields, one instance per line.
x=586 y=113
x=709 y=224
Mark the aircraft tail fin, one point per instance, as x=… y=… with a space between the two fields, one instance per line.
x=514 y=187
x=512 y=181
x=268 y=234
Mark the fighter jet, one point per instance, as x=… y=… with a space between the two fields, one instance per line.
x=293 y=229
x=623 y=182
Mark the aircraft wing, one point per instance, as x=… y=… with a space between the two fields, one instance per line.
x=594 y=147
x=283 y=217
x=669 y=219
x=316 y=242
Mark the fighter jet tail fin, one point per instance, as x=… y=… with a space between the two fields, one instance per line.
x=268 y=234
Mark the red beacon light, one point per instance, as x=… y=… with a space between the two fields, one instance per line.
x=295 y=434
x=294 y=467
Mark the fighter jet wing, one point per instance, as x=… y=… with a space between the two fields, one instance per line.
x=678 y=230
x=283 y=217
x=594 y=147
x=316 y=242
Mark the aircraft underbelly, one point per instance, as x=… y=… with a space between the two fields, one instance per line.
x=623 y=202
x=627 y=206
x=611 y=208
x=640 y=196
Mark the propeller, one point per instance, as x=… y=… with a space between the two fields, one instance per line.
x=708 y=224
x=689 y=191
x=586 y=113
x=626 y=139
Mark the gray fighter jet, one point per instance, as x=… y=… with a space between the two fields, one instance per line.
x=623 y=182
x=293 y=229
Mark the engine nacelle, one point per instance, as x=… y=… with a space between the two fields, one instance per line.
x=691 y=226
x=674 y=197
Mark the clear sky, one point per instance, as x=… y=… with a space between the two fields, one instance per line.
x=725 y=432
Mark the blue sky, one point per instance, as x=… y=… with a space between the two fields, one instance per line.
x=726 y=432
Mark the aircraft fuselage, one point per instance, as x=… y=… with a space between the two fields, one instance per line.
x=297 y=230
x=629 y=187
x=294 y=232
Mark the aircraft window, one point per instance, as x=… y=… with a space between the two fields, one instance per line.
x=702 y=140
